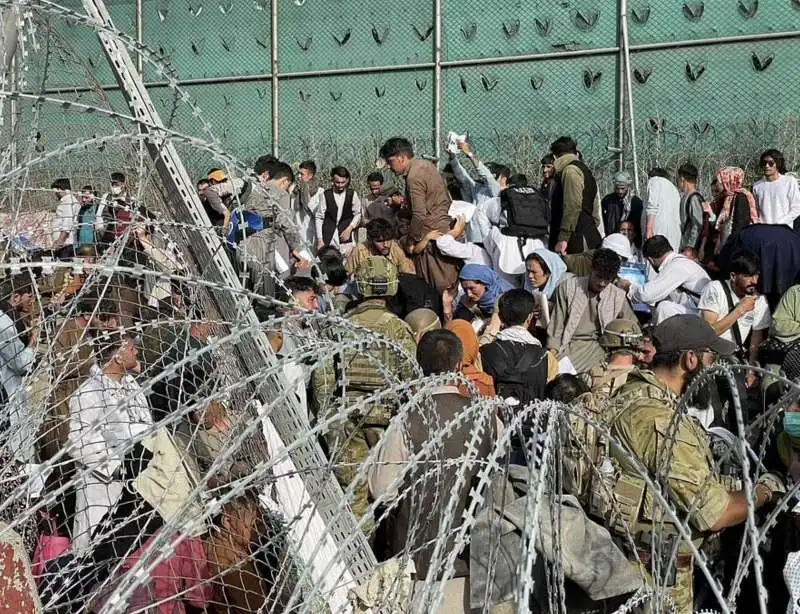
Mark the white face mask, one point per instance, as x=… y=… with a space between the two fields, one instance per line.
x=116 y=190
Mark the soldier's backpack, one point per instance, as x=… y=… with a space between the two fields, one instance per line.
x=527 y=212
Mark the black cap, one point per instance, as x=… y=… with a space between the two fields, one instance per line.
x=688 y=332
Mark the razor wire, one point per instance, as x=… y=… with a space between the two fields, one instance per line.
x=308 y=590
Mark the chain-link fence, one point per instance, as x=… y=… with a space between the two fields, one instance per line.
x=331 y=81
x=709 y=83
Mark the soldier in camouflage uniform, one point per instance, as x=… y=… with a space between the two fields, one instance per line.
x=363 y=372
x=270 y=201
x=676 y=448
x=624 y=341
x=585 y=449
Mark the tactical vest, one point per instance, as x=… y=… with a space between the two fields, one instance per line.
x=582 y=449
x=606 y=381
x=630 y=506
x=357 y=368
x=619 y=495
x=586 y=450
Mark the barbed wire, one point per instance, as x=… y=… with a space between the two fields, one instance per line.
x=312 y=568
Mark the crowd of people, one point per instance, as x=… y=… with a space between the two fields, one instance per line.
x=614 y=306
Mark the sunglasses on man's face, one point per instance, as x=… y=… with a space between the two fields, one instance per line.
x=767 y=163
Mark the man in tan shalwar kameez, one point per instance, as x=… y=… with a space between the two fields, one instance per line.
x=427 y=197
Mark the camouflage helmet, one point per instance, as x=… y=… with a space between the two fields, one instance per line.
x=376 y=276
x=622 y=334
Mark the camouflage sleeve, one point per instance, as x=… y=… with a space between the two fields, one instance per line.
x=401 y=333
x=692 y=482
x=323 y=381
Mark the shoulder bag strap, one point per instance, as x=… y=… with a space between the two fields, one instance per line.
x=737 y=334
x=682 y=287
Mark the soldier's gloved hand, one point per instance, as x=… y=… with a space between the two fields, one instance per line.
x=774 y=482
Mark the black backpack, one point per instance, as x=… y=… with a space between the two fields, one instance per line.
x=522 y=373
x=527 y=212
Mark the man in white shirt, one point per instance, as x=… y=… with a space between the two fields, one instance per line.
x=338 y=213
x=453 y=244
x=306 y=197
x=489 y=183
x=107 y=413
x=777 y=194
x=662 y=215
x=484 y=193
x=675 y=288
x=735 y=310
x=65 y=221
x=131 y=477
x=298 y=334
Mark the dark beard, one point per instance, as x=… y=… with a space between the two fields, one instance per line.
x=702 y=394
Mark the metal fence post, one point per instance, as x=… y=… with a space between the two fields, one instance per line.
x=620 y=78
x=139 y=35
x=12 y=112
x=626 y=52
x=274 y=62
x=437 y=78
x=139 y=24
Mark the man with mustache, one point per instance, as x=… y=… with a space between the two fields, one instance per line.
x=673 y=448
x=735 y=310
x=339 y=213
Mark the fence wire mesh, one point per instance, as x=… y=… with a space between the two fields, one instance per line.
x=709 y=83
x=348 y=76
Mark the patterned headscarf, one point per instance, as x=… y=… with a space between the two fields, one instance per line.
x=730 y=180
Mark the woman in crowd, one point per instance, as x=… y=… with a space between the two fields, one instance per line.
x=482 y=287
x=544 y=271
x=471 y=365
x=736 y=205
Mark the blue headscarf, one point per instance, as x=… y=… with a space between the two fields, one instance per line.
x=495 y=285
x=557 y=268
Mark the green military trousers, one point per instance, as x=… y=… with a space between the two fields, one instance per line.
x=350 y=443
